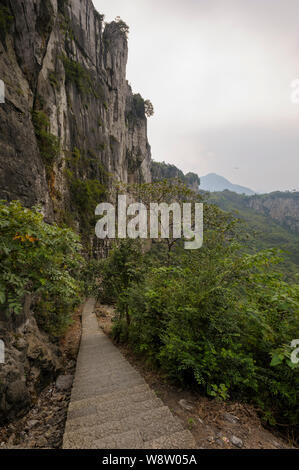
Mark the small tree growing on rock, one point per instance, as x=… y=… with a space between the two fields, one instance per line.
x=123 y=27
x=149 y=108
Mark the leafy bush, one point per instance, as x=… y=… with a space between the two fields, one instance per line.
x=86 y=195
x=82 y=78
x=149 y=108
x=120 y=270
x=122 y=26
x=91 y=275
x=215 y=317
x=41 y=260
x=54 y=80
x=226 y=325
x=48 y=143
x=77 y=74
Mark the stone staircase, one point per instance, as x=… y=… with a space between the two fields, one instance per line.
x=111 y=405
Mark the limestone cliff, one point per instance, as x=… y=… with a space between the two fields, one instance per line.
x=282 y=207
x=70 y=124
x=162 y=170
x=70 y=120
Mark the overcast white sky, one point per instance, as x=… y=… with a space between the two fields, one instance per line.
x=218 y=73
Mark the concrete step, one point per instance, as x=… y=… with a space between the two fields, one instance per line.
x=104 y=380
x=119 y=399
x=111 y=405
x=114 y=412
x=151 y=425
x=97 y=359
x=98 y=367
x=105 y=372
x=128 y=394
x=98 y=390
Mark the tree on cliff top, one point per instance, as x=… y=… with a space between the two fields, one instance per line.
x=123 y=27
x=149 y=108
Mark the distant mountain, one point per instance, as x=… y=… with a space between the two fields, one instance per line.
x=216 y=183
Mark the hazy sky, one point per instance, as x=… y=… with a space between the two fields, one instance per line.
x=218 y=73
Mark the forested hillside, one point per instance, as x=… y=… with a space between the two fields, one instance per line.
x=261 y=229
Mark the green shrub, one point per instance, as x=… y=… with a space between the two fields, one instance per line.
x=120 y=270
x=77 y=74
x=226 y=325
x=48 y=143
x=86 y=194
x=41 y=260
x=122 y=26
x=216 y=318
x=54 y=80
x=82 y=78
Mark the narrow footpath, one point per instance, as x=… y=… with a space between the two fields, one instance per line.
x=111 y=406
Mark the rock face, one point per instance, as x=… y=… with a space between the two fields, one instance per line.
x=31 y=362
x=70 y=120
x=283 y=207
x=161 y=171
x=70 y=124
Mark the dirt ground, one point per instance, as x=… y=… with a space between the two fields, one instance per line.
x=214 y=424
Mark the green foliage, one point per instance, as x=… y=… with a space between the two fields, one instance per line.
x=191 y=423
x=91 y=275
x=41 y=260
x=138 y=106
x=86 y=194
x=45 y=19
x=54 y=80
x=6 y=20
x=77 y=74
x=122 y=26
x=215 y=317
x=261 y=231
x=66 y=27
x=120 y=270
x=137 y=110
x=192 y=179
x=219 y=321
x=82 y=78
x=48 y=143
x=166 y=191
x=148 y=108
x=161 y=171
x=218 y=391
